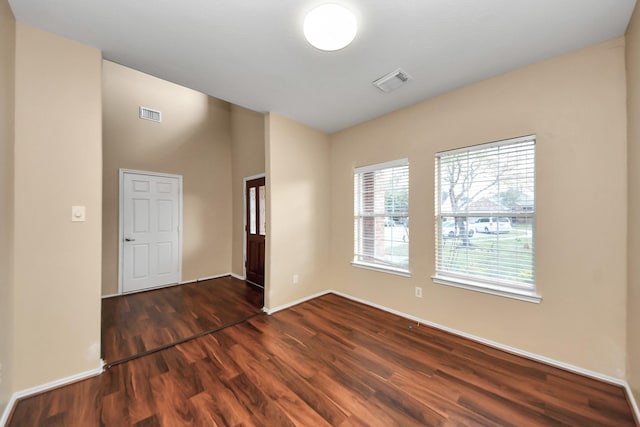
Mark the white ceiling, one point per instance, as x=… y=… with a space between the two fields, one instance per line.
x=252 y=52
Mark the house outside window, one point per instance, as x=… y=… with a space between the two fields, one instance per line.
x=485 y=218
x=381 y=217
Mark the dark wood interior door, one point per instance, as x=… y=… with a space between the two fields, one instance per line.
x=256 y=194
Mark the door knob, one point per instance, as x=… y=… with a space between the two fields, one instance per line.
x=128 y=239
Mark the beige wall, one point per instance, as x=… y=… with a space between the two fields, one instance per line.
x=57 y=164
x=247 y=153
x=576 y=105
x=7 y=81
x=193 y=140
x=298 y=200
x=633 y=153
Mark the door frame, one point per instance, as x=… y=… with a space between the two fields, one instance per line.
x=244 y=220
x=121 y=173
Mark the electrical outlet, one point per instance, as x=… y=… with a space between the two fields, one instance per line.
x=296 y=279
x=418 y=292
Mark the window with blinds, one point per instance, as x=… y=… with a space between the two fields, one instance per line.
x=381 y=217
x=485 y=217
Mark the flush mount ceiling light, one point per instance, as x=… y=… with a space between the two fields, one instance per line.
x=330 y=27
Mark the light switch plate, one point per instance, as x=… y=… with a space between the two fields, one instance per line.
x=78 y=214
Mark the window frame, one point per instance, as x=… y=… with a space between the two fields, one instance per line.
x=495 y=286
x=378 y=266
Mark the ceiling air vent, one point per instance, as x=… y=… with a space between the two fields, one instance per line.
x=149 y=114
x=392 y=81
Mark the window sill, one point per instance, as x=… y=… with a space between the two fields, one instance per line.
x=388 y=270
x=502 y=291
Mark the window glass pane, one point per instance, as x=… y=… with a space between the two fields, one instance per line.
x=252 y=210
x=263 y=215
x=485 y=212
x=381 y=215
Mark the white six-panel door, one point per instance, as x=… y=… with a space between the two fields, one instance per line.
x=150 y=230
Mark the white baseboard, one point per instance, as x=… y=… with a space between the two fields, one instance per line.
x=490 y=343
x=296 y=302
x=45 y=387
x=7 y=410
x=110 y=296
x=184 y=282
x=237 y=276
x=508 y=349
x=217 y=276
x=632 y=401
x=202 y=279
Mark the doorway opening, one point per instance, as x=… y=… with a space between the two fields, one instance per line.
x=255 y=229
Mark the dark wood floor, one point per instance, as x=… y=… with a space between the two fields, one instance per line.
x=329 y=362
x=137 y=323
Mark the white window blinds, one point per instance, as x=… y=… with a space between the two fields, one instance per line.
x=485 y=215
x=381 y=216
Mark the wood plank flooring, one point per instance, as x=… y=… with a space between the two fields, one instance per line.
x=138 y=323
x=329 y=362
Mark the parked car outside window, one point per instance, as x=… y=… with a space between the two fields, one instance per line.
x=449 y=229
x=493 y=225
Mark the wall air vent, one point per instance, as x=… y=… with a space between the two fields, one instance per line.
x=392 y=81
x=149 y=114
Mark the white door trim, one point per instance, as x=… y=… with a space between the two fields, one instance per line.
x=121 y=217
x=244 y=220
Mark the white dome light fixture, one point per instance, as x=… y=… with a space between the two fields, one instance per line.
x=330 y=27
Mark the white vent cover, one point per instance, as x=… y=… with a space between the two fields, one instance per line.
x=149 y=114
x=392 y=81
